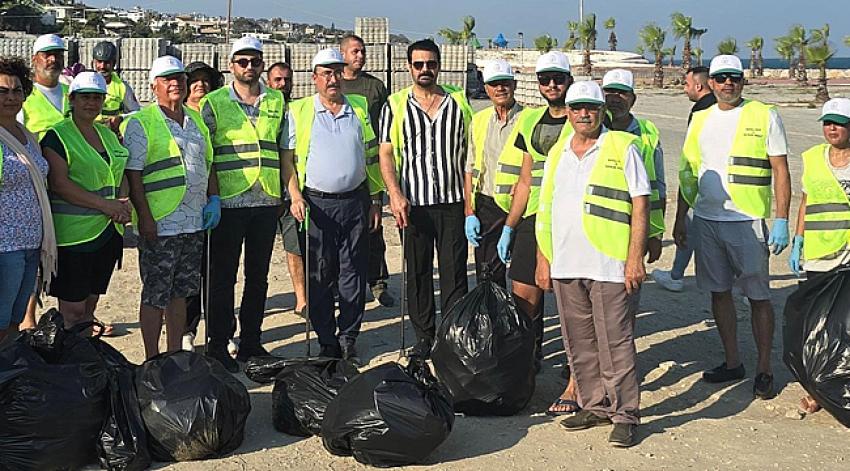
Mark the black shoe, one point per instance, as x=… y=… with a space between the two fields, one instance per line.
x=224 y=358
x=380 y=293
x=623 y=435
x=350 y=353
x=330 y=351
x=763 y=386
x=248 y=351
x=421 y=350
x=583 y=420
x=721 y=374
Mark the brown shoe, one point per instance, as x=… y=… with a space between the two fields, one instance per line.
x=623 y=435
x=584 y=420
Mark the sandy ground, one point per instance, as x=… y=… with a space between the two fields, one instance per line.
x=685 y=423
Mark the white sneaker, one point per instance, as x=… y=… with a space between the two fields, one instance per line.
x=232 y=347
x=189 y=342
x=663 y=278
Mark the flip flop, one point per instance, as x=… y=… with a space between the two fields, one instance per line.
x=809 y=405
x=560 y=402
x=108 y=329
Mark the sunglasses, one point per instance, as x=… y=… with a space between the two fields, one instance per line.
x=500 y=83
x=585 y=106
x=255 y=62
x=418 y=65
x=721 y=78
x=559 y=79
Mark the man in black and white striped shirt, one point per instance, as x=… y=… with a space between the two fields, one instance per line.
x=423 y=153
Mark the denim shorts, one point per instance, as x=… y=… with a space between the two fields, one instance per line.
x=17 y=284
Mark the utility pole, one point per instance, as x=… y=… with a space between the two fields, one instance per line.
x=521 y=51
x=229 y=11
x=580 y=10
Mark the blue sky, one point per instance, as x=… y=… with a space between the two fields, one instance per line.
x=740 y=19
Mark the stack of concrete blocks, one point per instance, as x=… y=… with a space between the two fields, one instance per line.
x=455 y=64
x=196 y=52
x=527 y=91
x=301 y=57
x=135 y=57
x=17 y=47
x=399 y=74
x=375 y=32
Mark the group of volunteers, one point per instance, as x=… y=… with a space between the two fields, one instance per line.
x=569 y=197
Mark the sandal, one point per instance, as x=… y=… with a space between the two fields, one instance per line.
x=809 y=405
x=108 y=329
x=570 y=406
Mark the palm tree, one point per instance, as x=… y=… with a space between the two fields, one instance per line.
x=545 y=43
x=696 y=35
x=785 y=48
x=572 y=40
x=670 y=52
x=697 y=53
x=587 y=37
x=463 y=36
x=728 y=46
x=683 y=28
x=800 y=40
x=756 y=44
x=610 y=24
x=819 y=55
x=652 y=40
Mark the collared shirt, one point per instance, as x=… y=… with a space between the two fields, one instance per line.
x=573 y=254
x=634 y=128
x=335 y=159
x=188 y=217
x=494 y=143
x=255 y=196
x=20 y=213
x=434 y=153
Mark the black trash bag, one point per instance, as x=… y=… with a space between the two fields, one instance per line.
x=484 y=353
x=264 y=369
x=192 y=407
x=388 y=416
x=303 y=390
x=50 y=414
x=48 y=337
x=817 y=340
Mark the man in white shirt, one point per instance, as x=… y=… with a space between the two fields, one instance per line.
x=733 y=151
x=48 y=102
x=592 y=227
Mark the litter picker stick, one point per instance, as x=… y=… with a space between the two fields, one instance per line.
x=306 y=228
x=403 y=287
x=206 y=298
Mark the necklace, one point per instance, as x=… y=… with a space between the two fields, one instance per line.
x=431 y=105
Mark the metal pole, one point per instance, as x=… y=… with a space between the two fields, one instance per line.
x=521 y=50
x=229 y=11
x=307 y=327
x=580 y=10
x=206 y=306
x=403 y=287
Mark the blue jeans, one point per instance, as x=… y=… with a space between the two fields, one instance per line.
x=683 y=256
x=18 y=271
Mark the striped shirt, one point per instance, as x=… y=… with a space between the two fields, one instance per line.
x=434 y=154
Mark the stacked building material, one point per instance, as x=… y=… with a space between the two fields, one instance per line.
x=373 y=30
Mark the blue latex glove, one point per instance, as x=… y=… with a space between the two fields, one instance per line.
x=472 y=228
x=778 y=235
x=504 y=245
x=212 y=212
x=796 y=255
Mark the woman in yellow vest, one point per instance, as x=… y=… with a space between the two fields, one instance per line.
x=86 y=171
x=823 y=221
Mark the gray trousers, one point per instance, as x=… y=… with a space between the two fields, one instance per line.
x=597 y=324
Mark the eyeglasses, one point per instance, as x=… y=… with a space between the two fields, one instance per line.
x=559 y=79
x=500 y=83
x=585 y=106
x=721 y=78
x=255 y=62
x=418 y=65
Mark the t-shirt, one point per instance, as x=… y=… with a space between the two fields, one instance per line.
x=373 y=89
x=573 y=254
x=545 y=135
x=715 y=141
x=842 y=257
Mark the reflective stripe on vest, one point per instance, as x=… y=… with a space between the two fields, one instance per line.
x=39 y=112
x=607 y=204
x=74 y=224
x=116 y=91
x=303 y=112
x=649 y=138
x=243 y=153
x=827 y=221
x=748 y=166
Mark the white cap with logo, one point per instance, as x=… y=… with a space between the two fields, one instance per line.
x=725 y=63
x=247 y=43
x=88 y=82
x=48 y=42
x=326 y=57
x=619 y=79
x=553 y=61
x=498 y=69
x=164 y=66
x=836 y=110
x=586 y=91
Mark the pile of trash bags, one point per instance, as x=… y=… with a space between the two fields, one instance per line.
x=817 y=340
x=484 y=353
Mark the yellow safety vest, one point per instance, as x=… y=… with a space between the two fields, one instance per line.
x=827 y=222
x=748 y=167
x=74 y=224
x=398 y=105
x=39 y=112
x=606 y=219
x=116 y=90
x=304 y=113
x=244 y=154
x=649 y=138
x=164 y=175
x=480 y=126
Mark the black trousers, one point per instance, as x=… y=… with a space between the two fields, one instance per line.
x=377 y=258
x=492 y=219
x=439 y=226
x=255 y=228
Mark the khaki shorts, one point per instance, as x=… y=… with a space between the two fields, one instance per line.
x=730 y=254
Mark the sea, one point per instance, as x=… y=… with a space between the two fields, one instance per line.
x=774 y=63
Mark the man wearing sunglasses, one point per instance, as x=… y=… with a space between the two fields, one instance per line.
x=246 y=126
x=423 y=150
x=592 y=224
x=734 y=151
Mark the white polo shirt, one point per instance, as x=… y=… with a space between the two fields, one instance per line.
x=573 y=254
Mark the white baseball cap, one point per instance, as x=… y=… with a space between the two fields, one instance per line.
x=88 y=82
x=246 y=43
x=725 y=63
x=585 y=91
x=836 y=110
x=498 y=69
x=48 y=42
x=619 y=79
x=164 y=66
x=329 y=56
x=553 y=61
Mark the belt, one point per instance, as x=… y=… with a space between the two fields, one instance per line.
x=335 y=196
